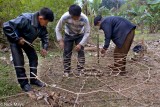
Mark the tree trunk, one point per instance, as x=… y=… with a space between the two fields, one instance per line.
x=151 y=28
x=85 y=9
x=157 y=27
x=142 y=27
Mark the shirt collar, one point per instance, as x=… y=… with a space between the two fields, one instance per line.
x=34 y=21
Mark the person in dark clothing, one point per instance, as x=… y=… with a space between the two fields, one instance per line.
x=121 y=32
x=21 y=32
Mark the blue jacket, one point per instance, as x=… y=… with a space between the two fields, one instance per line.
x=116 y=29
x=26 y=26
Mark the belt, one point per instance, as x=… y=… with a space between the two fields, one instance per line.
x=74 y=34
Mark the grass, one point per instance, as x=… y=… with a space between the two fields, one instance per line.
x=146 y=37
x=8 y=85
x=138 y=36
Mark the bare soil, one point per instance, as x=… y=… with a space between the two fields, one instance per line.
x=140 y=87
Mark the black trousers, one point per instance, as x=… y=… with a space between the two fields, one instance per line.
x=68 y=47
x=18 y=60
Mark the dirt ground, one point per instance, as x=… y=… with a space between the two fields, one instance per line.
x=140 y=87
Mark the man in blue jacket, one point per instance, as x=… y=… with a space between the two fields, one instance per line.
x=21 y=32
x=121 y=32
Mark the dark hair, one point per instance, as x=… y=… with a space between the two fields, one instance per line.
x=75 y=10
x=47 y=14
x=97 y=19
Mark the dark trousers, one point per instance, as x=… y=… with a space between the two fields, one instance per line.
x=120 y=54
x=68 y=47
x=18 y=60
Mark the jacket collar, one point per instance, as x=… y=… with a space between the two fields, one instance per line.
x=102 y=20
x=34 y=21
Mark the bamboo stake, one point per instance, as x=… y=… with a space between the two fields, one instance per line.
x=97 y=48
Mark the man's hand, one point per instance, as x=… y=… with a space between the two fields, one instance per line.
x=21 y=41
x=78 y=47
x=43 y=52
x=61 y=44
x=103 y=51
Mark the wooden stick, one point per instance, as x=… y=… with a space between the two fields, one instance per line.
x=98 y=48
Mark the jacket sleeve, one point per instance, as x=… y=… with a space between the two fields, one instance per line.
x=59 y=28
x=86 y=33
x=107 y=28
x=11 y=27
x=45 y=39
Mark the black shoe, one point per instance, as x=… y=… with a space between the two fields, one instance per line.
x=26 y=88
x=80 y=71
x=38 y=83
x=123 y=73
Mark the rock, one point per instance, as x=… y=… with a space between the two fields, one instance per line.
x=93 y=49
x=4 y=48
x=32 y=95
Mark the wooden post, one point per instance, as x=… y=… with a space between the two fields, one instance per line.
x=97 y=48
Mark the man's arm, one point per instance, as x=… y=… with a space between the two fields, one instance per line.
x=86 y=33
x=107 y=28
x=10 y=28
x=59 y=28
x=45 y=39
